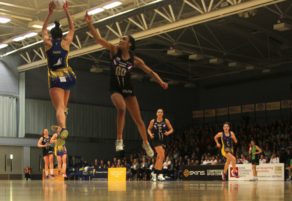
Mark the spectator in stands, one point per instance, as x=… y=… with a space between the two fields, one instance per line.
x=204 y=160
x=109 y=164
x=242 y=160
x=96 y=164
x=192 y=163
x=119 y=163
x=135 y=168
x=263 y=159
x=214 y=161
x=115 y=161
x=192 y=147
x=101 y=165
x=274 y=158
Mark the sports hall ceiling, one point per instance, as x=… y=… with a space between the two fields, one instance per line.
x=168 y=32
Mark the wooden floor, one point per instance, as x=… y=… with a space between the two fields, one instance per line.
x=142 y=191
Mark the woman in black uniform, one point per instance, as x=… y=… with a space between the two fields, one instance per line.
x=48 y=153
x=122 y=94
x=157 y=129
x=61 y=77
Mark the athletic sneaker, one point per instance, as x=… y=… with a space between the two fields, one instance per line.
x=64 y=133
x=148 y=149
x=153 y=176
x=224 y=176
x=119 y=145
x=160 y=177
x=64 y=175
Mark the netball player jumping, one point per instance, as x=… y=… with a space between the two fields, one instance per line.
x=122 y=94
x=60 y=76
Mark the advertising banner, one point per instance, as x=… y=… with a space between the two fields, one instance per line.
x=266 y=172
x=202 y=172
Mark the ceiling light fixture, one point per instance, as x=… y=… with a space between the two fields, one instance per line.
x=174 y=52
x=25 y=36
x=30 y=34
x=4 y=20
x=3 y=46
x=112 y=5
x=95 y=11
x=18 y=38
x=36 y=26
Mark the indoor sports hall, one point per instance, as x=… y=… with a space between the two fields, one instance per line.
x=163 y=100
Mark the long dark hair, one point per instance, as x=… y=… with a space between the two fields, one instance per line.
x=56 y=32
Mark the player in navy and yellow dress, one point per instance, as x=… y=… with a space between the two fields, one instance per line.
x=60 y=151
x=122 y=93
x=158 y=129
x=227 y=138
x=61 y=77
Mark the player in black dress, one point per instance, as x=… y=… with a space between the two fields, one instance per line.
x=158 y=129
x=48 y=152
x=122 y=94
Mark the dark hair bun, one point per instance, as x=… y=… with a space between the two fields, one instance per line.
x=57 y=24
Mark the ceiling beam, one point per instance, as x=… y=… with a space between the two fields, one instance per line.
x=17 y=6
x=206 y=17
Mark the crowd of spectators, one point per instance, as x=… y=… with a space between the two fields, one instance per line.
x=195 y=146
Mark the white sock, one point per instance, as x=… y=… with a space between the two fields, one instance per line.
x=51 y=171
x=46 y=172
